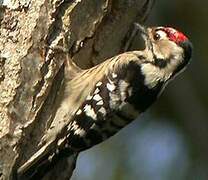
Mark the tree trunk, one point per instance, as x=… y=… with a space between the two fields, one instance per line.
x=31 y=72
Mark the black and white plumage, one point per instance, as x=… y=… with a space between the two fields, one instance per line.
x=112 y=94
x=126 y=85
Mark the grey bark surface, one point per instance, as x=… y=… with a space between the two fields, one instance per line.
x=31 y=72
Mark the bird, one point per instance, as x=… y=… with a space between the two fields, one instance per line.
x=110 y=95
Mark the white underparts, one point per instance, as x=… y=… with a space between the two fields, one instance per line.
x=154 y=74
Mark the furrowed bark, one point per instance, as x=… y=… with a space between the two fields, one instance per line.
x=31 y=72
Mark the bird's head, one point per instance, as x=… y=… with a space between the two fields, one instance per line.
x=170 y=47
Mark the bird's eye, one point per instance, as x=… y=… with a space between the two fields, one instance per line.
x=156 y=36
x=159 y=35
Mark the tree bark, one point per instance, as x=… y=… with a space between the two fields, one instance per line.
x=31 y=73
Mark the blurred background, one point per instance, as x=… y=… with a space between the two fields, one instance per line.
x=170 y=140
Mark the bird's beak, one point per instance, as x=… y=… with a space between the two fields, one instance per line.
x=142 y=29
x=145 y=35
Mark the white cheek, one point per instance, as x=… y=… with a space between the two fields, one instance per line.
x=151 y=74
x=162 y=34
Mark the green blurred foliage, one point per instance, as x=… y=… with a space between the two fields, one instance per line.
x=169 y=142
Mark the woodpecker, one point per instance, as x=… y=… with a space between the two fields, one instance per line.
x=124 y=86
x=114 y=93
